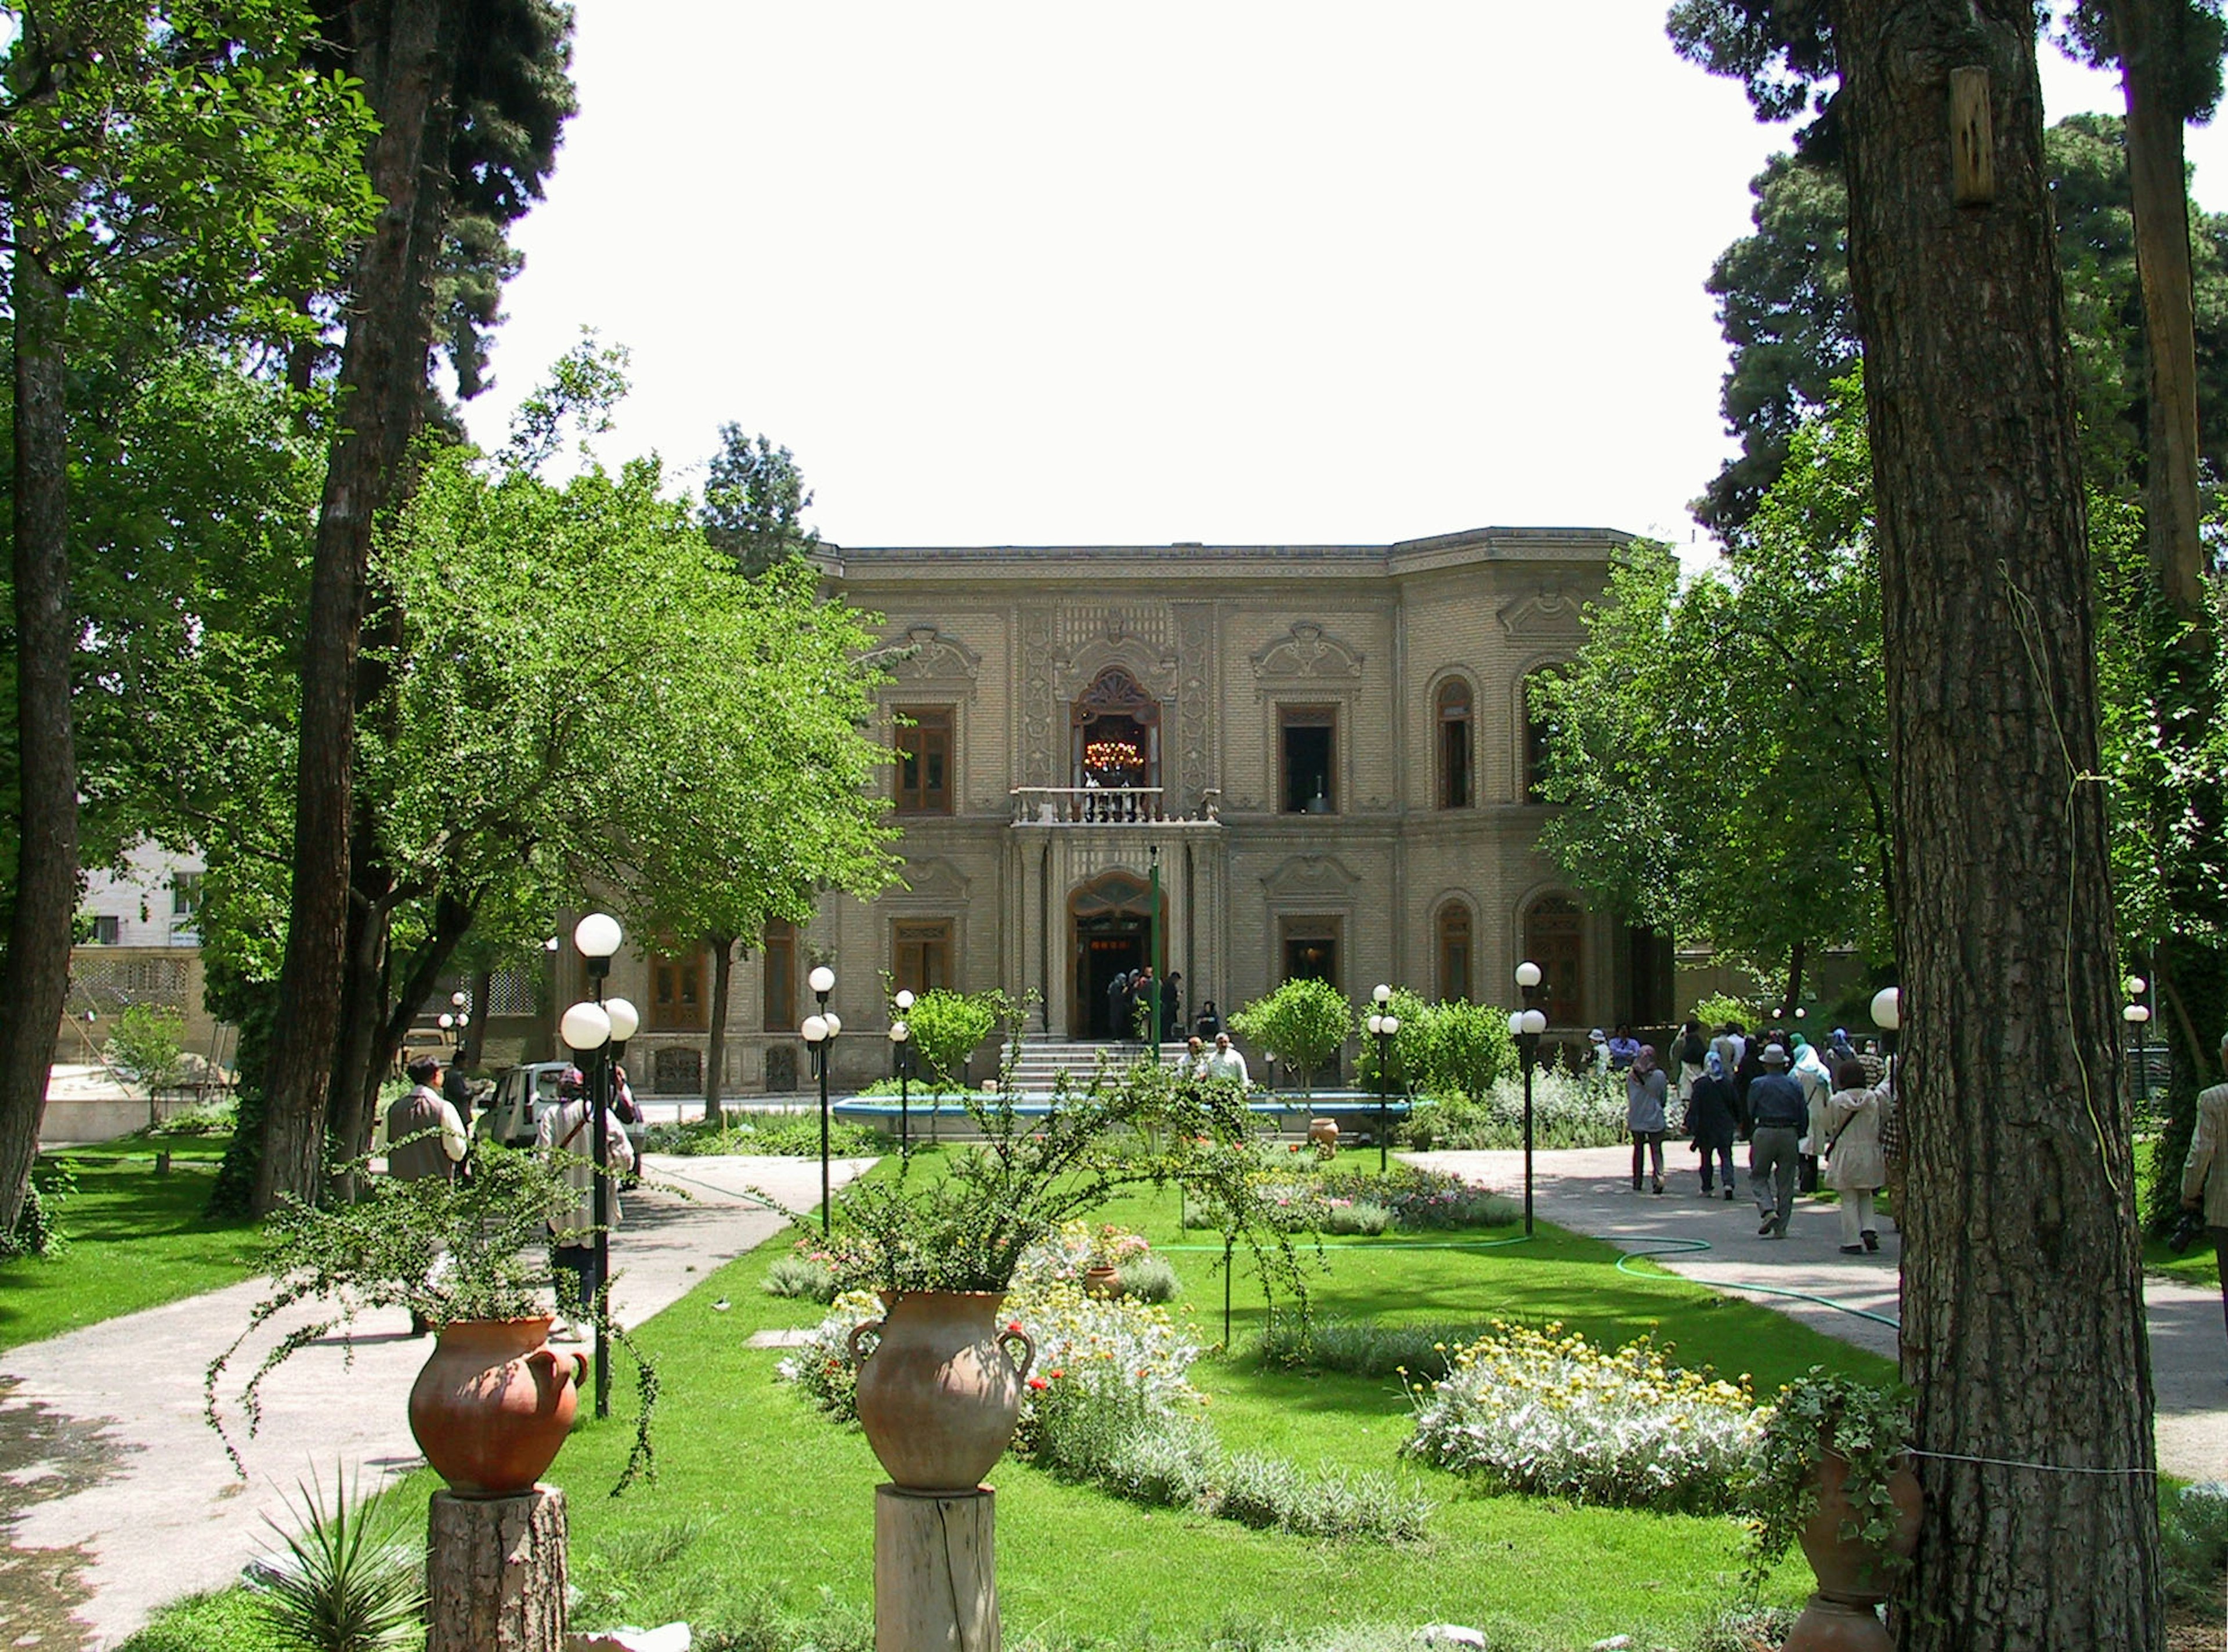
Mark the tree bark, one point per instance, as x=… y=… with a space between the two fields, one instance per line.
x=715 y=1045
x=483 y=988
x=2149 y=36
x=495 y=1573
x=36 y=981
x=2023 y=1330
x=382 y=385
x=1794 y=979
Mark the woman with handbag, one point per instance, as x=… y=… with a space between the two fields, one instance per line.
x=1855 y=1166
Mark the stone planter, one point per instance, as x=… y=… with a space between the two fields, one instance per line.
x=493 y=1404
x=939 y=1395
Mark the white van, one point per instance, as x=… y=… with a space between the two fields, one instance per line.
x=521 y=1096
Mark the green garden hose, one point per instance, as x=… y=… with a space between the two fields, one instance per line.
x=1689 y=1246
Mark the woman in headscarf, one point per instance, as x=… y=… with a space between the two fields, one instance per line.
x=1855 y=1166
x=1811 y=1073
x=1712 y=1116
x=1645 y=1087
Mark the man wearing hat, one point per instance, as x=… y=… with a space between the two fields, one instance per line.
x=1778 y=1115
x=424 y=1138
x=564 y=1135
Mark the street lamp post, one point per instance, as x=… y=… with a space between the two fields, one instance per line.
x=2137 y=1015
x=1526 y=1024
x=901 y=1046
x=588 y=1029
x=1383 y=1024
x=1887 y=1014
x=819 y=1031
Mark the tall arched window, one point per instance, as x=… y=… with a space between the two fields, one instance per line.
x=1454 y=750
x=1554 y=939
x=1455 y=975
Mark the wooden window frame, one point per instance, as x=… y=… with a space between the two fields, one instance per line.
x=1453 y=914
x=672 y=975
x=778 y=969
x=1306 y=716
x=925 y=732
x=923 y=951
x=1312 y=926
x=1455 y=749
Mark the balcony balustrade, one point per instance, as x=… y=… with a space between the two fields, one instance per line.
x=1052 y=805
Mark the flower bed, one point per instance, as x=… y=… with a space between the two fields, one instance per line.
x=1548 y=1413
x=1308 y=1196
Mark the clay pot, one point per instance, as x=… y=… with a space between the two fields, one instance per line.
x=939 y=1395
x=493 y=1404
x=1323 y=1133
x=1853 y=1576
x=1102 y=1281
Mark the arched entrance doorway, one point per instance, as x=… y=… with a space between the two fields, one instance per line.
x=1554 y=939
x=1115 y=733
x=1110 y=921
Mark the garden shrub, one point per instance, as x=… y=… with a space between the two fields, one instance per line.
x=789 y=1135
x=1151 y=1278
x=1547 y=1413
x=803 y=1276
x=1568 y=1110
x=38 y=1229
x=1305 y=1021
x=1308 y=1195
x=1456 y=1048
x=1362 y=1216
x=1363 y=1347
x=2193 y=1544
x=947 y=1026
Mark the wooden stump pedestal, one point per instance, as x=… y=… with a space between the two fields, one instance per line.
x=936 y=1573
x=494 y=1573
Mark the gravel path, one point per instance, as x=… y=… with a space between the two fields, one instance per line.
x=1589 y=1191
x=115 y=1498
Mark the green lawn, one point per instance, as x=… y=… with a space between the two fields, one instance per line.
x=2196 y=1266
x=136 y=1239
x=762 y=1511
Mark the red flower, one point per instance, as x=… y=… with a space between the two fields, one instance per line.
x=1055 y=1372
x=1013 y=1327
x=1037 y=1382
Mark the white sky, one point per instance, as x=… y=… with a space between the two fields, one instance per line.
x=1246 y=273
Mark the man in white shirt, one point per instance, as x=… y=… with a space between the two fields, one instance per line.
x=425 y=1137
x=1226 y=1062
x=567 y=1129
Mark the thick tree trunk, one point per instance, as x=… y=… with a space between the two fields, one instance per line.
x=715 y=1046
x=494 y=1573
x=35 y=980
x=354 y=1108
x=1794 y=979
x=382 y=384
x=483 y=988
x=2023 y=1328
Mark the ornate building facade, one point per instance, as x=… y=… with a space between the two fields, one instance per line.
x=1324 y=750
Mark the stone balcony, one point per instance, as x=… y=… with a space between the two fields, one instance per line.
x=1102 y=806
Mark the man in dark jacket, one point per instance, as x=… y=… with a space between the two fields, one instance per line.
x=1778 y=1115
x=425 y=1137
x=1711 y=1117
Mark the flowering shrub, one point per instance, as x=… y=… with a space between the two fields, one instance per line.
x=1548 y=1413
x=1568 y=1110
x=1306 y=1196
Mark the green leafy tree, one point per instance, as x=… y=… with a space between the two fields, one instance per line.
x=2022 y=1271
x=948 y=1027
x=1443 y=1050
x=1305 y=1021
x=185 y=161
x=146 y=1044
x=754 y=500
x=471 y=97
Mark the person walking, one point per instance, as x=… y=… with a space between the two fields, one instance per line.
x=1118 y=1006
x=1645 y=1087
x=1172 y=1007
x=2204 y=1172
x=425 y=1139
x=1713 y=1119
x=1693 y=1047
x=1777 y=1117
x=1810 y=1072
x=565 y=1136
x=1856 y=1167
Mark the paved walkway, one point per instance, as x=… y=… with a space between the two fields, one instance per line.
x=1589 y=1191
x=115 y=1496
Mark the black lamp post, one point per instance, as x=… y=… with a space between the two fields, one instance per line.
x=590 y=1029
x=456 y=1020
x=901 y=1046
x=1528 y=1024
x=1383 y=1023
x=2137 y=1015
x=819 y=1031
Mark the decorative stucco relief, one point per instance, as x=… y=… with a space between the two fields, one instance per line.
x=1552 y=611
x=924 y=654
x=1312 y=875
x=1307 y=654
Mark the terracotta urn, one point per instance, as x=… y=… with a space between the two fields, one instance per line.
x=939 y=1395
x=1854 y=1576
x=1324 y=1132
x=493 y=1404
x=1102 y=1279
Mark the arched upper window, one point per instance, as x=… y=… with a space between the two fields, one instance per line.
x=1454 y=724
x=1539 y=730
x=1554 y=939
x=1454 y=972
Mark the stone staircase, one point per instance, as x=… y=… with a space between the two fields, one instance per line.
x=1044 y=1058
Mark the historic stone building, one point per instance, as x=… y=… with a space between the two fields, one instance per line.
x=1325 y=748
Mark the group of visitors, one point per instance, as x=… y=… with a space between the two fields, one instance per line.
x=1798 y=1108
x=1223 y=1060
x=427 y=1136
x=1130 y=1006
